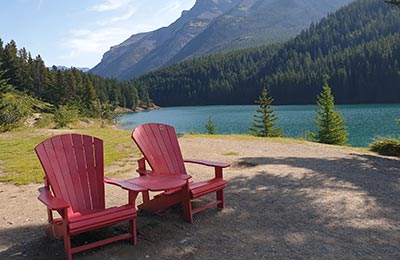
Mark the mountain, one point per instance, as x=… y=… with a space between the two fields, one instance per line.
x=212 y=26
x=357 y=47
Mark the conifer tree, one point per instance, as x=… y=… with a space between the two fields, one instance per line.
x=4 y=86
x=329 y=122
x=394 y=2
x=264 y=121
x=210 y=127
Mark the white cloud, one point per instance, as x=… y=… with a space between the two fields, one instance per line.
x=93 y=43
x=87 y=44
x=118 y=18
x=109 y=5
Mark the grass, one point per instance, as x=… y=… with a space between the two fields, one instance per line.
x=229 y=153
x=248 y=137
x=19 y=163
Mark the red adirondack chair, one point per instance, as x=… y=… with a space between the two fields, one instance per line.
x=74 y=187
x=160 y=148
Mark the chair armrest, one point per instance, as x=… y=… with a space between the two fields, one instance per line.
x=125 y=185
x=208 y=163
x=50 y=201
x=144 y=172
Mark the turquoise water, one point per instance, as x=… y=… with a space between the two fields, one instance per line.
x=364 y=122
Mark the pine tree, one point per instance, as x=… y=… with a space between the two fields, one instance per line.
x=329 y=122
x=393 y=2
x=4 y=86
x=210 y=127
x=264 y=121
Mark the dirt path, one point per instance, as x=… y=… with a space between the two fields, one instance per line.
x=283 y=201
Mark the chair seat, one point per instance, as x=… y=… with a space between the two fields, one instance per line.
x=201 y=188
x=86 y=221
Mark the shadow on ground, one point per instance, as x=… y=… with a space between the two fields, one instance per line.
x=268 y=216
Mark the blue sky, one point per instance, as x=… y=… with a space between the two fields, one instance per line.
x=78 y=32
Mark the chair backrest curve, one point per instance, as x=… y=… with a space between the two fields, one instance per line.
x=74 y=168
x=159 y=145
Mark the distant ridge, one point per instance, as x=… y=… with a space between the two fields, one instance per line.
x=84 y=69
x=212 y=26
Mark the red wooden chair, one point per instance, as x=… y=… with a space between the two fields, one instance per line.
x=160 y=148
x=74 y=187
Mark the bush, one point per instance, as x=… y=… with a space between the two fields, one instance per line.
x=65 y=115
x=386 y=146
x=44 y=121
x=14 y=109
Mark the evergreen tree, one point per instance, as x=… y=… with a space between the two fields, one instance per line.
x=329 y=122
x=4 y=86
x=393 y=2
x=210 y=127
x=264 y=121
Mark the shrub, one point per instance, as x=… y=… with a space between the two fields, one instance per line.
x=14 y=109
x=65 y=115
x=386 y=146
x=44 y=121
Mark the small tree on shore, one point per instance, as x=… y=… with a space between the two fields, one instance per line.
x=329 y=122
x=210 y=127
x=394 y=2
x=264 y=121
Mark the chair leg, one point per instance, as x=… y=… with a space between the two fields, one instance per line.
x=186 y=204
x=220 y=197
x=132 y=230
x=67 y=246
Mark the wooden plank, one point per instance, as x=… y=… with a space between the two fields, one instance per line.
x=155 y=157
x=45 y=162
x=62 y=144
x=163 y=149
x=75 y=195
x=176 y=150
x=81 y=180
x=172 y=150
x=52 y=168
x=90 y=170
x=99 y=165
x=143 y=137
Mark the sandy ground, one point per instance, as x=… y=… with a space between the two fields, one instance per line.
x=283 y=201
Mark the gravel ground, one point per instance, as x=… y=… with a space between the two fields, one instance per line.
x=284 y=200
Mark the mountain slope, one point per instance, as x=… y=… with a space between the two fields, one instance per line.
x=147 y=51
x=254 y=23
x=357 y=46
x=213 y=26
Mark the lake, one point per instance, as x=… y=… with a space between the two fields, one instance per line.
x=364 y=122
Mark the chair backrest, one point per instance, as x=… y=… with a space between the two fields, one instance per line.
x=74 y=168
x=159 y=145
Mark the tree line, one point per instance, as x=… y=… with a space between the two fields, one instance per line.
x=357 y=47
x=63 y=86
x=27 y=86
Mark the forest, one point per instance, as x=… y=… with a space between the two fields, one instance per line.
x=61 y=87
x=357 y=47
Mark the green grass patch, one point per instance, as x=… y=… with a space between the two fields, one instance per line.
x=20 y=165
x=248 y=137
x=229 y=153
